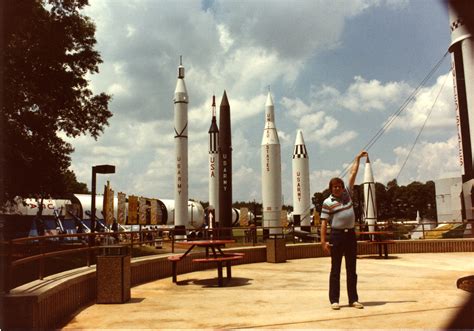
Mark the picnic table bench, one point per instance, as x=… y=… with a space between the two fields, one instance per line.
x=217 y=257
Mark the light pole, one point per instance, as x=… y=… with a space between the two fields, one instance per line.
x=99 y=169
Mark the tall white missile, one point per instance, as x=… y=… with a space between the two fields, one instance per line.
x=301 y=191
x=214 y=162
x=271 y=171
x=370 y=205
x=462 y=49
x=181 y=153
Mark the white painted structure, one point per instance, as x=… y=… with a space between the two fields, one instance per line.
x=448 y=199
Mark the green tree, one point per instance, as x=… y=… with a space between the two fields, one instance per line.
x=394 y=201
x=48 y=53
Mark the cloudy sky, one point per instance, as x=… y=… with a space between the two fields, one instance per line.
x=337 y=70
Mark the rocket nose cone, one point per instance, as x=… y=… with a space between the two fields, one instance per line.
x=269 y=101
x=224 y=101
x=368 y=174
x=299 y=138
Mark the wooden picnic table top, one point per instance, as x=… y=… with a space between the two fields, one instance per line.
x=212 y=242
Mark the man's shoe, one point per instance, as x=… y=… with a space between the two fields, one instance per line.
x=357 y=305
x=335 y=306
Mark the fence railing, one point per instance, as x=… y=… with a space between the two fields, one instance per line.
x=32 y=253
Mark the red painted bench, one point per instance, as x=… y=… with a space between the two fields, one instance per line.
x=219 y=260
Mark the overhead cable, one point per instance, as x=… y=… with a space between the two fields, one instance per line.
x=394 y=116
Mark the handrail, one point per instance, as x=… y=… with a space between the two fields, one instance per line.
x=91 y=242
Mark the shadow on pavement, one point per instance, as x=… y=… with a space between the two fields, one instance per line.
x=376 y=257
x=212 y=282
x=381 y=303
x=234 y=282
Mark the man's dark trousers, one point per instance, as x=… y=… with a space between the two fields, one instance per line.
x=344 y=243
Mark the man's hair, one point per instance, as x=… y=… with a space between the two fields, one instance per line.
x=335 y=180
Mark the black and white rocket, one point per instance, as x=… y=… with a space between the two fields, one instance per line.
x=271 y=171
x=214 y=163
x=370 y=205
x=462 y=50
x=225 y=169
x=301 y=187
x=181 y=153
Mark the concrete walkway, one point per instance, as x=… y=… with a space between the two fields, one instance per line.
x=404 y=291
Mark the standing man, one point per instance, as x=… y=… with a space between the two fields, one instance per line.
x=339 y=212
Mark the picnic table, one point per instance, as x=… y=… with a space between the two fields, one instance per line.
x=214 y=254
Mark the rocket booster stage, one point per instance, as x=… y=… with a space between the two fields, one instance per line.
x=181 y=151
x=214 y=163
x=225 y=169
x=301 y=191
x=271 y=171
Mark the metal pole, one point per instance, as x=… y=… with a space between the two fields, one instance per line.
x=93 y=199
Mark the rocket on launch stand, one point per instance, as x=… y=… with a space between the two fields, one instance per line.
x=225 y=170
x=181 y=153
x=214 y=164
x=462 y=49
x=271 y=171
x=301 y=189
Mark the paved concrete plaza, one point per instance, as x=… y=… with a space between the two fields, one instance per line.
x=404 y=291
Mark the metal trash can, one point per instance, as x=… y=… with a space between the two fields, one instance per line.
x=276 y=249
x=113 y=274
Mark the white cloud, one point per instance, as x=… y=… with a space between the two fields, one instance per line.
x=443 y=109
x=317 y=126
x=371 y=95
x=428 y=161
x=225 y=38
x=281 y=25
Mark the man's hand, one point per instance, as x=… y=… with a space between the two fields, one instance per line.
x=326 y=247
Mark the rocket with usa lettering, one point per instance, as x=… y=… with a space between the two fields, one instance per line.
x=214 y=163
x=181 y=153
x=370 y=205
x=271 y=171
x=301 y=191
x=225 y=170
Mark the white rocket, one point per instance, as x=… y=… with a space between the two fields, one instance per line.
x=462 y=50
x=271 y=171
x=370 y=206
x=301 y=191
x=214 y=163
x=181 y=152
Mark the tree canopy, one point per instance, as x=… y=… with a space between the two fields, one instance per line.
x=394 y=201
x=48 y=53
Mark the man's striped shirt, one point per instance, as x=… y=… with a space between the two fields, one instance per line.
x=339 y=211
